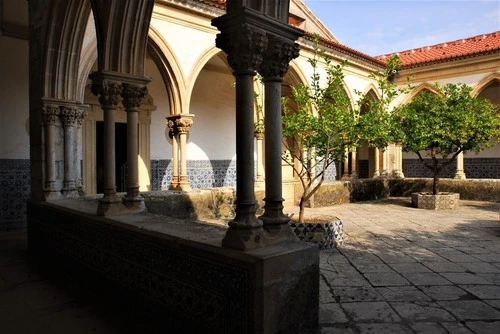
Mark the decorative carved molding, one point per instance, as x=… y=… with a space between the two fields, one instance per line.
x=244 y=47
x=50 y=113
x=133 y=96
x=179 y=124
x=183 y=124
x=108 y=91
x=72 y=116
x=280 y=51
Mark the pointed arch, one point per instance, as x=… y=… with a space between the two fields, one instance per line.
x=170 y=71
x=417 y=90
x=122 y=34
x=65 y=38
x=198 y=66
x=485 y=82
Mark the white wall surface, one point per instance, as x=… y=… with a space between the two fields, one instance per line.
x=14 y=98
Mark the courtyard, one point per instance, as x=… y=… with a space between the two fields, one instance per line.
x=400 y=270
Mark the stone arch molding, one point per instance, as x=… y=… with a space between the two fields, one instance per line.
x=420 y=88
x=484 y=82
x=195 y=72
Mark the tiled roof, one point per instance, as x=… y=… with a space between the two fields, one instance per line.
x=449 y=50
x=346 y=50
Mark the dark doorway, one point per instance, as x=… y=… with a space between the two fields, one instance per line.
x=120 y=156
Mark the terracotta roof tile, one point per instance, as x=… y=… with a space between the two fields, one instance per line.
x=448 y=50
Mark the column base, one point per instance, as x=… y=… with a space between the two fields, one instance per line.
x=173 y=186
x=70 y=192
x=345 y=177
x=183 y=186
x=51 y=195
x=134 y=204
x=110 y=205
x=460 y=176
x=398 y=174
x=244 y=238
x=376 y=174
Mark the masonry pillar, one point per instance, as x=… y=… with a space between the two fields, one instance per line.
x=385 y=163
x=175 y=152
x=398 y=161
x=50 y=113
x=345 y=174
x=71 y=116
x=354 y=163
x=280 y=51
x=460 y=173
x=132 y=94
x=376 y=162
x=108 y=91
x=244 y=45
x=182 y=124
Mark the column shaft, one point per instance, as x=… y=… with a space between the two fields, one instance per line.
x=49 y=117
x=460 y=172
x=175 y=162
x=132 y=156
x=376 y=161
x=109 y=186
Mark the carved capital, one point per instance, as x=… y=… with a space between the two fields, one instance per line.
x=183 y=124
x=133 y=96
x=108 y=91
x=244 y=47
x=50 y=113
x=279 y=53
x=71 y=116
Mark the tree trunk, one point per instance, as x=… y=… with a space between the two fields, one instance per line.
x=301 y=210
x=435 y=177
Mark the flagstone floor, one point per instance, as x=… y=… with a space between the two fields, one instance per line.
x=401 y=270
x=407 y=270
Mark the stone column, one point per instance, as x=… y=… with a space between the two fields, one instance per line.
x=132 y=95
x=385 y=157
x=50 y=113
x=182 y=125
x=376 y=162
x=77 y=166
x=71 y=117
x=175 y=153
x=345 y=174
x=354 y=163
x=244 y=46
x=259 y=137
x=108 y=92
x=398 y=161
x=460 y=173
x=280 y=52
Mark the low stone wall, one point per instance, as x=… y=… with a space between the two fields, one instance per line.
x=175 y=272
x=213 y=203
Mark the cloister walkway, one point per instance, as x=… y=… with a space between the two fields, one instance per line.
x=401 y=270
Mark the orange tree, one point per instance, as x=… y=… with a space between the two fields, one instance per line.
x=441 y=126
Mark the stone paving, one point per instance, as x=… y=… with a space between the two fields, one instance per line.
x=401 y=270
x=407 y=270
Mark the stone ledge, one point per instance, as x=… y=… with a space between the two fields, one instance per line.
x=325 y=234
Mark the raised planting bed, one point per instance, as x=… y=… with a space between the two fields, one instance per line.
x=441 y=201
x=326 y=234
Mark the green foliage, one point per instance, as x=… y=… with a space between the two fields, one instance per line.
x=443 y=125
x=321 y=125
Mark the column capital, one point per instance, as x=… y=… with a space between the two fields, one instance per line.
x=72 y=115
x=280 y=51
x=133 y=94
x=50 y=113
x=180 y=124
x=244 y=47
x=108 y=90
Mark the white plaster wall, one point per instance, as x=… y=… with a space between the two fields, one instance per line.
x=160 y=147
x=14 y=97
x=187 y=43
x=213 y=134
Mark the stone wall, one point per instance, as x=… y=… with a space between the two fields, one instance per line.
x=14 y=191
x=475 y=168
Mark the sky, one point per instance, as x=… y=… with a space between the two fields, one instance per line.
x=379 y=27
